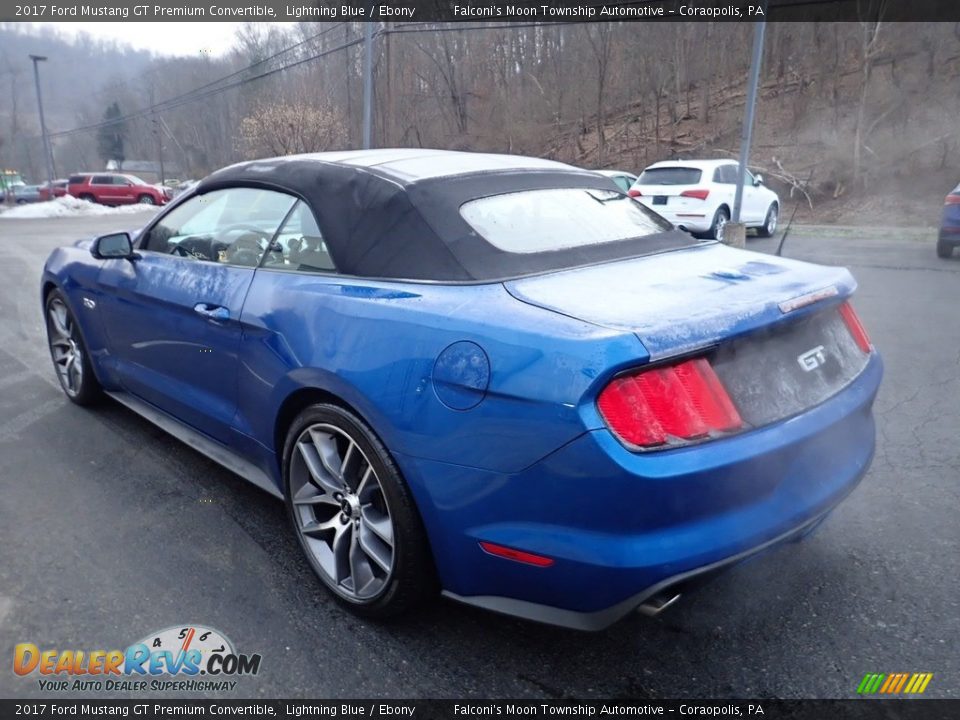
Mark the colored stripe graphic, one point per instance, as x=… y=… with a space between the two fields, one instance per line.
x=894 y=683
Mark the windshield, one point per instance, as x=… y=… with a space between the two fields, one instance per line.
x=135 y=180
x=670 y=176
x=534 y=221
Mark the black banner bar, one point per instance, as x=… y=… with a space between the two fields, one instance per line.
x=369 y=709
x=406 y=11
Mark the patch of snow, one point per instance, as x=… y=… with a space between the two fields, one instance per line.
x=69 y=206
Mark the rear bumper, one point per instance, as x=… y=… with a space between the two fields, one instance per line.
x=692 y=220
x=622 y=526
x=950 y=235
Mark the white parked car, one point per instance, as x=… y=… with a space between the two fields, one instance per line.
x=622 y=178
x=697 y=196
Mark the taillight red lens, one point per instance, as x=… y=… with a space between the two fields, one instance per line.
x=698 y=194
x=952 y=200
x=634 y=193
x=668 y=404
x=855 y=327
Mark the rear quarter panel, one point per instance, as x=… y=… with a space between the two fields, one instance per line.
x=374 y=345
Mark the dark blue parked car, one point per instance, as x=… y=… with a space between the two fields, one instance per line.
x=949 y=224
x=495 y=375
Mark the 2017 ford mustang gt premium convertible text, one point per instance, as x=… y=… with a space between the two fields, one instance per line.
x=497 y=375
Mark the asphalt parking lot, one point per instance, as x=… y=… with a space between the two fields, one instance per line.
x=110 y=529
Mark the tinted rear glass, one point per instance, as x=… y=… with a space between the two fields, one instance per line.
x=76 y=179
x=670 y=176
x=535 y=221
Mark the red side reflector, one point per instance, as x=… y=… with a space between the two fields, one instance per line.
x=698 y=194
x=855 y=327
x=634 y=193
x=518 y=555
x=666 y=404
x=952 y=200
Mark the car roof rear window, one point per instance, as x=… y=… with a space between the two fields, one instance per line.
x=536 y=221
x=676 y=175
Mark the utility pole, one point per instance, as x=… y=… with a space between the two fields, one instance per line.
x=43 y=124
x=158 y=134
x=367 y=80
x=747 y=134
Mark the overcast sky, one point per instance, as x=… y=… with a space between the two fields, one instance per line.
x=162 y=38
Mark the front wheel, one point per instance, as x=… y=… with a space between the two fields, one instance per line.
x=353 y=514
x=720 y=220
x=146 y=200
x=69 y=352
x=944 y=249
x=769 y=226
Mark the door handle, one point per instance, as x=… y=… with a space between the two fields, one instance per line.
x=213 y=312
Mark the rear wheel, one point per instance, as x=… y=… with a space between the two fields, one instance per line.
x=769 y=226
x=944 y=249
x=87 y=197
x=720 y=220
x=69 y=352
x=146 y=200
x=353 y=514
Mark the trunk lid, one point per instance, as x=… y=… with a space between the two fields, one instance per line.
x=670 y=197
x=682 y=300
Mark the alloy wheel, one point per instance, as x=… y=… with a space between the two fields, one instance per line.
x=341 y=512
x=772 y=221
x=66 y=348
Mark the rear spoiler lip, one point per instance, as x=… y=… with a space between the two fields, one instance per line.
x=801 y=301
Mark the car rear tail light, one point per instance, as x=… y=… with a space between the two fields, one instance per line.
x=952 y=200
x=634 y=193
x=518 y=555
x=668 y=405
x=698 y=194
x=855 y=327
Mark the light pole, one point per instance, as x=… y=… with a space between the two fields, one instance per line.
x=43 y=124
x=367 y=81
x=747 y=133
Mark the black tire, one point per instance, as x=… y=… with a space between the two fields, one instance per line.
x=944 y=249
x=412 y=578
x=87 y=197
x=81 y=388
x=769 y=226
x=21 y=201
x=720 y=218
x=146 y=200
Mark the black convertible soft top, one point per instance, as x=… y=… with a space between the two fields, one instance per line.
x=396 y=213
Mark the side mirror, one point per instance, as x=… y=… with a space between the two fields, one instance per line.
x=114 y=246
x=757 y=180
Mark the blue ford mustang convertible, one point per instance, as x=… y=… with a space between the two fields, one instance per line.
x=497 y=375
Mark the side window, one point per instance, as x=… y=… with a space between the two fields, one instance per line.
x=101 y=180
x=300 y=244
x=232 y=226
x=119 y=180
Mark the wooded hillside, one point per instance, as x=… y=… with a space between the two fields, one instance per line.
x=847 y=110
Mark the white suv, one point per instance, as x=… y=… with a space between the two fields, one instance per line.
x=697 y=195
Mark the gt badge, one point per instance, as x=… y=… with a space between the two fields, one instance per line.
x=812 y=359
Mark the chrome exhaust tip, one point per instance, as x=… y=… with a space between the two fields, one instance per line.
x=651 y=607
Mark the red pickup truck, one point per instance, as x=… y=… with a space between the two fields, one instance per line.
x=115 y=189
